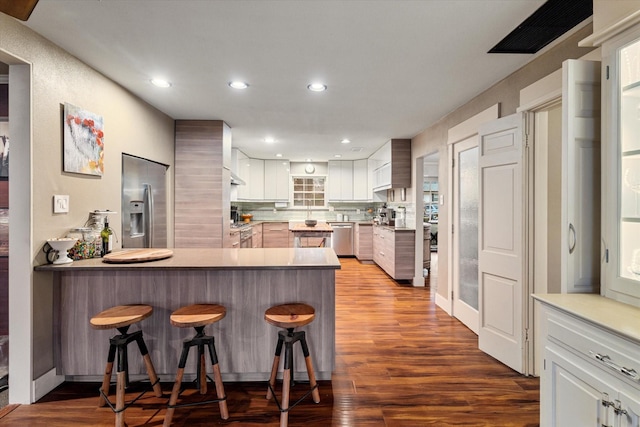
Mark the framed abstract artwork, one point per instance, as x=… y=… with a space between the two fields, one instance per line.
x=83 y=141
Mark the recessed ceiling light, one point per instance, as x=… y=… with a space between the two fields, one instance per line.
x=337 y=156
x=278 y=155
x=308 y=160
x=317 y=87
x=160 y=83
x=345 y=141
x=238 y=85
x=269 y=140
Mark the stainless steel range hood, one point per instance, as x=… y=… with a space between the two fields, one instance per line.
x=236 y=180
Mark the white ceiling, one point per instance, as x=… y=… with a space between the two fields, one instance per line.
x=393 y=67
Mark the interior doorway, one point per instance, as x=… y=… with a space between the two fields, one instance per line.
x=4 y=231
x=430 y=214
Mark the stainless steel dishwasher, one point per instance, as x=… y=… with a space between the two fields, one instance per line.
x=342 y=238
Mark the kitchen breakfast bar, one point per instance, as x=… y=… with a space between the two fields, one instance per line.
x=245 y=281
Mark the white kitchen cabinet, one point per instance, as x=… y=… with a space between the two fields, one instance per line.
x=620 y=159
x=340 y=180
x=580 y=210
x=252 y=172
x=591 y=370
x=276 y=180
x=361 y=180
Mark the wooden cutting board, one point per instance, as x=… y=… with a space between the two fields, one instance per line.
x=137 y=255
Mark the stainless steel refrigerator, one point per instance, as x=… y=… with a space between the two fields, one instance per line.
x=144 y=203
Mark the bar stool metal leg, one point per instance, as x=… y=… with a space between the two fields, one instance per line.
x=199 y=341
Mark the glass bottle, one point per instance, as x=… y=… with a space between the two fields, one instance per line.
x=105 y=234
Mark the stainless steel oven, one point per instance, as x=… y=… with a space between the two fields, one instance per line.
x=246 y=240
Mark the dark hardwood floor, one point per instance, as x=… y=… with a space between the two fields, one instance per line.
x=400 y=362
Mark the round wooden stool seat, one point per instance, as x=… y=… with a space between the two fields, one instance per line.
x=197 y=315
x=120 y=316
x=290 y=315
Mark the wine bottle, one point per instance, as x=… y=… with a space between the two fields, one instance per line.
x=105 y=234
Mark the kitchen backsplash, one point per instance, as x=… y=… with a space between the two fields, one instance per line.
x=355 y=211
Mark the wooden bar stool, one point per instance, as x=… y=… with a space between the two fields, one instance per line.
x=198 y=316
x=121 y=318
x=288 y=317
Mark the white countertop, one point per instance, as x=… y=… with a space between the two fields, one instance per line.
x=622 y=319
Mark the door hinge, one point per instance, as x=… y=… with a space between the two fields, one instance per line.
x=451 y=228
x=607 y=72
x=526 y=334
x=453 y=162
x=452 y=295
x=606 y=256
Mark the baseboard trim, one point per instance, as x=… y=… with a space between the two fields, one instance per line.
x=443 y=303
x=45 y=383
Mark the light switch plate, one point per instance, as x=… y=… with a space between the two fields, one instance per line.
x=60 y=203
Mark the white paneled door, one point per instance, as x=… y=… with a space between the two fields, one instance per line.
x=465 y=232
x=502 y=293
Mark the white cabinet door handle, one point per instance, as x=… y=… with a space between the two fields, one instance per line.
x=572 y=233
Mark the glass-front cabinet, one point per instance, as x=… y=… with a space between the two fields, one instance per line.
x=621 y=168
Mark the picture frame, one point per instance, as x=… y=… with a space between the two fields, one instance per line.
x=83 y=140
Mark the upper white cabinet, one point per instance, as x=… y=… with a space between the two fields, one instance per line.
x=361 y=180
x=621 y=160
x=348 y=180
x=392 y=165
x=265 y=179
x=252 y=172
x=340 y=180
x=276 y=180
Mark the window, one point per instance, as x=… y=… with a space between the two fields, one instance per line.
x=308 y=191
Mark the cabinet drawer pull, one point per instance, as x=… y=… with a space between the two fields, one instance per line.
x=606 y=360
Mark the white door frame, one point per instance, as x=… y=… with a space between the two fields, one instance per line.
x=456 y=134
x=461 y=309
x=22 y=387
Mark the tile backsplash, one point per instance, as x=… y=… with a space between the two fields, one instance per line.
x=355 y=211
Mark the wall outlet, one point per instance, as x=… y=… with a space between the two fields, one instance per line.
x=60 y=203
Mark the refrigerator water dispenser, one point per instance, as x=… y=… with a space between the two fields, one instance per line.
x=136 y=218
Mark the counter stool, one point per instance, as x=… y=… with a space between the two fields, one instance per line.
x=288 y=317
x=198 y=316
x=121 y=317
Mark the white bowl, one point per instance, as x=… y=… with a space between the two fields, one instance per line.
x=62 y=245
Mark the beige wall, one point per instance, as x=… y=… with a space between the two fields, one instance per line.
x=130 y=126
x=507 y=93
x=608 y=12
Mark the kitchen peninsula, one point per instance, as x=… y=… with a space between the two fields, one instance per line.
x=245 y=281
